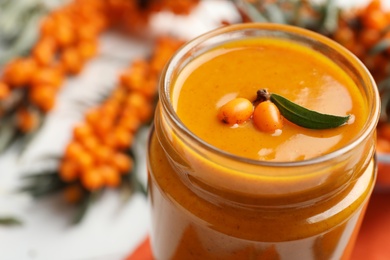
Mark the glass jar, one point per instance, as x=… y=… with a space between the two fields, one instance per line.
x=209 y=204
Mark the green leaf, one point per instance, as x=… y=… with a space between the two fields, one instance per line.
x=10 y=221
x=304 y=117
x=381 y=46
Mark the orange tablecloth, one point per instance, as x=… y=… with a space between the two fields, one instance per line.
x=373 y=242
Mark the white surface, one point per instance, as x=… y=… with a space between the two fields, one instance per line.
x=112 y=228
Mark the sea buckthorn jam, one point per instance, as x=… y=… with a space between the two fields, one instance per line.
x=230 y=178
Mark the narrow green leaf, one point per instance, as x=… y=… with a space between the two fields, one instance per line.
x=275 y=14
x=305 y=117
x=380 y=47
x=254 y=14
x=84 y=205
x=10 y=221
x=331 y=17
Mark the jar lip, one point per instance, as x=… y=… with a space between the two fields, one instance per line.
x=164 y=93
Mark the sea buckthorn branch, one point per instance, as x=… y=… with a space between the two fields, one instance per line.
x=68 y=38
x=99 y=154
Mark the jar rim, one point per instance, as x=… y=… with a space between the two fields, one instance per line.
x=369 y=84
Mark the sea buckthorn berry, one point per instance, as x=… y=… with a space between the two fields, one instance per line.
x=369 y=37
x=236 y=111
x=123 y=138
x=48 y=76
x=103 y=154
x=104 y=126
x=48 y=26
x=93 y=116
x=73 y=150
x=82 y=131
x=92 y=180
x=109 y=140
x=19 y=72
x=90 y=143
x=130 y=122
x=71 y=61
x=110 y=108
x=73 y=194
x=87 y=49
x=375 y=19
x=111 y=176
x=85 y=160
x=43 y=97
x=64 y=32
x=44 y=51
x=27 y=121
x=69 y=171
x=122 y=162
x=266 y=117
x=4 y=91
x=136 y=101
x=86 y=32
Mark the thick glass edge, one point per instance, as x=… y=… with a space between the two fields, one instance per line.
x=165 y=81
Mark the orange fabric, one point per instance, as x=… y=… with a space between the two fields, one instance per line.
x=373 y=241
x=374 y=238
x=142 y=252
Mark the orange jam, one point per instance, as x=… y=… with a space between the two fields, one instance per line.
x=235 y=192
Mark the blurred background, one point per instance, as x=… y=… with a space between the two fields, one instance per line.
x=78 y=85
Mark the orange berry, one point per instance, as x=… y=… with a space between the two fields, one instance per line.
x=43 y=97
x=369 y=37
x=344 y=35
x=90 y=143
x=236 y=111
x=87 y=49
x=44 y=51
x=110 y=175
x=71 y=60
x=27 y=121
x=69 y=171
x=73 y=194
x=48 y=26
x=103 y=127
x=92 y=180
x=110 y=109
x=119 y=94
x=149 y=89
x=123 y=138
x=19 y=72
x=374 y=5
x=138 y=102
x=131 y=80
x=4 y=90
x=375 y=19
x=266 y=117
x=48 y=76
x=87 y=32
x=122 y=162
x=109 y=140
x=103 y=154
x=146 y=113
x=130 y=122
x=93 y=116
x=73 y=150
x=82 y=131
x=64 y=33
x=85 y=160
